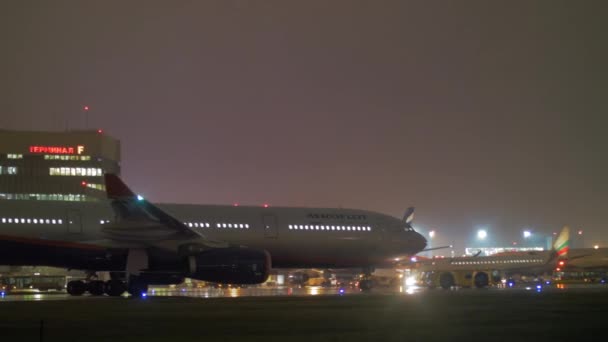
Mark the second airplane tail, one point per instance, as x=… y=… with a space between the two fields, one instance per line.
x=561 y=245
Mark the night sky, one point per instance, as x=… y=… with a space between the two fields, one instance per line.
x=479 y=113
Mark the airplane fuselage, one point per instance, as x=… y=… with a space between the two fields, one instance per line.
x=71 y=235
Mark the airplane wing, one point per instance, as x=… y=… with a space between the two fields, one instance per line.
x=436 y=248
x=138 y=220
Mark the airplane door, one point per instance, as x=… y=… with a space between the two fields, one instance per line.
x=74 y=221
x=270 y=226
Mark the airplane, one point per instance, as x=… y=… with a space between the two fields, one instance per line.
x=587 y=260
x=143 y=244
x=480 y=271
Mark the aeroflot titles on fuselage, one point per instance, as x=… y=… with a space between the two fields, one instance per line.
x=337 y=216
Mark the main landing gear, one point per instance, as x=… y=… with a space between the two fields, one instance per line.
x=114 y=287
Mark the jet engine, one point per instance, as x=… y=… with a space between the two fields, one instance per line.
x=232 y=265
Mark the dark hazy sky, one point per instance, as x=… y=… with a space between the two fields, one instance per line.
x=479 y=113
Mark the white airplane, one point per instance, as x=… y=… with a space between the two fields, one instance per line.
x=481 y=271
x=140 y=243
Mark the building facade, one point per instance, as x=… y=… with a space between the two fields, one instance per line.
x=56 y=166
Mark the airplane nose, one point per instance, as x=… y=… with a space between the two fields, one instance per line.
x=419 y=242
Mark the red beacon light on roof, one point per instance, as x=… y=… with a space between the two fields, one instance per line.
x=265 y=205
x=235 y=204
x=100 y=131
x=83 y=183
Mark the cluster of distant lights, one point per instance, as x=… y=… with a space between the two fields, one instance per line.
x=31 y=220
x=323 y=227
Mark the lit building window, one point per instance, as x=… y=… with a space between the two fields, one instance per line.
x=65 y=157
x=246 y=225
x=14 y=156
x=75 y=171
x=96 y=186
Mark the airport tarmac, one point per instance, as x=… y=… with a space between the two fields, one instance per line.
x=261 y=291
x=206 y=292
x=430 y=315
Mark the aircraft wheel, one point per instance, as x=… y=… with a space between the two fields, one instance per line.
x=96 y=287
x=446 y=281
x=115 y=288
x=481 y=280
x=76 y=287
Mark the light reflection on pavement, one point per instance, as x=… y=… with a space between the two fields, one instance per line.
x=210 y=292
x=258 y=291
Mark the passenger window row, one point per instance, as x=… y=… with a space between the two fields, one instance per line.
x=325 y=227
x=217 y=225
x=22 y=220
x=505 y=261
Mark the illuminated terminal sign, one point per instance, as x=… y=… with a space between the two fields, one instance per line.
x=57 y=149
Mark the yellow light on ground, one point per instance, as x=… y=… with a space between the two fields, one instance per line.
x=313 y=290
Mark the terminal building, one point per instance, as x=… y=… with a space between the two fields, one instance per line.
x=56 y=166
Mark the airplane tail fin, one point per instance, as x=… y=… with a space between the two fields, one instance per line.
x=561 y=245
x=116 y=188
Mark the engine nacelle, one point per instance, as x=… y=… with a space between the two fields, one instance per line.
x=233 y=265
x=160 y=278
